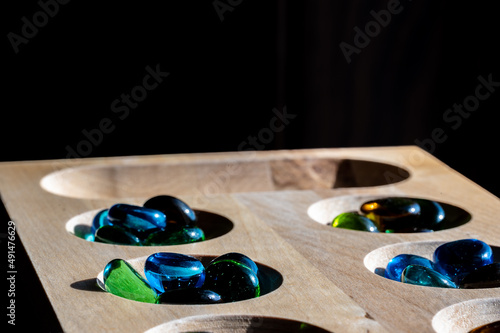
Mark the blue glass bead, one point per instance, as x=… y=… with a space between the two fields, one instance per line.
x=100 y=220
x=396 y=265
x=239 y=259
x=123 y=280
x=459 y=258
x=232 y=281
x=354 y=221
x=424 y=276
x=190 y=296
x=112 y=234
x=178 y=213
x=136 y=218
x=169 y=271
x=182 y=236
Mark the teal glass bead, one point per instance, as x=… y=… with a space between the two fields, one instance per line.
x=182 y=236
x=354 y=221
x=424 y=276
x=112 y=234
x=170 y=271
x=487 y=276
x=178 y=213
x=190 y=296
x=231 y=280
x=123 y=280
x=431 y=214
x=136 y=218
x=397 y=265
x=459 y=258
x=392 y=213
x=100 y=220
x=237 y=258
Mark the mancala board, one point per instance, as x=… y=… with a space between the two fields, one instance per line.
x=272 y=206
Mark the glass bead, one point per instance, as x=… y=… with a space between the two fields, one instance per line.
x=239 y=259
x=112 y=234
x=169 y=271
x=431 y=214
x=182 y=236
x=487 y=276
x=232 y=281
x=100 y=220
x=354 y=221
x=391 y=213
x=178 y=213
x=458 y=258
x=122 y=280
x=424 y=276
x=136 y=218
x=396 y=265
x=190 y=296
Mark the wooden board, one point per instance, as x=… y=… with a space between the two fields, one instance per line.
x=272 y=206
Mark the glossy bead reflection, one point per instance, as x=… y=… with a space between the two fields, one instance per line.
x=190 y=296
x=459 y=258
x=136 y=218
x=354 y=221
x=182 y=236
x=424 y=276
x=169 y=271
x=178 y=213
x=100 y=220
x=239 y=259
x=111 y=234
x=431 y=214
x=396 y=265
x=122 y=280
x=391 y=213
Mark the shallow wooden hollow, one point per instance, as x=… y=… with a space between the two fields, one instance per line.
x=465 y=316
x=147 y=180
x=236 y=324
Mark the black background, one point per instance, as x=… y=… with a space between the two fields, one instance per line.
x=226 y=77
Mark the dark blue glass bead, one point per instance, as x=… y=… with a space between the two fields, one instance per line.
x=167 y=237
x=190 y=296
x=431 y=214
x=136 y=218
x=484 y=277
x=113 y=234
x=391 y=213
x=239 y=259
x=178 y=213
x=424 y=276
x=169 y=271
x=232 y=281
x=459 y=258
x=396 y=265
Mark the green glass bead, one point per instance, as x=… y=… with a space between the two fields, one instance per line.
x=391 y=213
x=354 y=221
x=183 y=236
x=483 y=277
x=232 y=281
x=493 y=327
x=122 y=280
x=116 y=235
x=424 y=276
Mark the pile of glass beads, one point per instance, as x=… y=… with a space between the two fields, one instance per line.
x=175 y=278
x=466 y=264
x=162 y=220
x=393 y=214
